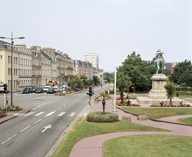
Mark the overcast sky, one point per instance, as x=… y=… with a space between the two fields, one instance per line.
x=110 y=28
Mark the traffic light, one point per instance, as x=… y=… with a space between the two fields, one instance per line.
x=90 y=91
x=5 y=88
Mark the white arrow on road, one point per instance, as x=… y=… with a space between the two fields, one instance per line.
x=47 y=127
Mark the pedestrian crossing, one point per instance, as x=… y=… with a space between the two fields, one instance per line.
x=42 y=112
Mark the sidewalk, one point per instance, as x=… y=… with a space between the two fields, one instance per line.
x=13 y=114
x=93 y=146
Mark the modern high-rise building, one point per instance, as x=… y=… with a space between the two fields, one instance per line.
x=92 y=58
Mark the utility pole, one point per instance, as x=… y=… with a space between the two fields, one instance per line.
x=114 y=103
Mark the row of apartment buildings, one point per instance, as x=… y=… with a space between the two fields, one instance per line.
x=35 y=66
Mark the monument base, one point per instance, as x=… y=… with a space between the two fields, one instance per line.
x=147 y=102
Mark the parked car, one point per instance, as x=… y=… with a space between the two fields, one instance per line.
x=26 y=91
x=45 y=88
x=62 y=89
x=55 y=89
x=50 y=91
x=34 y=89
x=39 y=90
x=30 y=90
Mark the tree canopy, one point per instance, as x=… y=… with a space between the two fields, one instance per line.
x=139 y=71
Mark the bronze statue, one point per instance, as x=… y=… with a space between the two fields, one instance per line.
x=159 y=61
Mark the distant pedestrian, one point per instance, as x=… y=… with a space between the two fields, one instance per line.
x=6 y=99
x=105 y=92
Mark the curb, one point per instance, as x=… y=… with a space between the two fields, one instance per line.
x=13 y=117
x=156 y=120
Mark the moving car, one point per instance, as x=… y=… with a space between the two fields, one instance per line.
x=39 y=90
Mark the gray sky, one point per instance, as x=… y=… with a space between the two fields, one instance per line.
x=110 y=28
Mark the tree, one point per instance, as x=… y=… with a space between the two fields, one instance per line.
x=96 y=80
x=179 y=69
x=171 y=90
x=84 y=78
x=102 y=97
x=186 y=78
x=123 y=82
x=137 y=70
x=74 y=82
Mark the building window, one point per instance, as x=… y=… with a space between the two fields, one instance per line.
x=9 y=59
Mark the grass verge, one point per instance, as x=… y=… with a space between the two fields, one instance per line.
x=82 y=129
x=157 y=113
x=186 y=120
x=148 y=145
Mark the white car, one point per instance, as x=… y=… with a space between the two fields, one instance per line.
x=55 y=89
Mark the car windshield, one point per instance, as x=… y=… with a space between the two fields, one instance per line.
x=46 y=87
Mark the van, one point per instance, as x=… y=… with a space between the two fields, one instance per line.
x=45 y=88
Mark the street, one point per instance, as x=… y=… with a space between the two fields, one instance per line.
x=33 y=134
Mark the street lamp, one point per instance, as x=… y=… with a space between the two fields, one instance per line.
x=12 y=42
x=114 y=103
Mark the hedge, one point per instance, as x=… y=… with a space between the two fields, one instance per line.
x=100 y=117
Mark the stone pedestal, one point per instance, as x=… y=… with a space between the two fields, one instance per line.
x=158 y=91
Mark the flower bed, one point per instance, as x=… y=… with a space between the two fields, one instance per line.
x=124 y=104
x=124 y=98
x=11 y=108
x=184 y=105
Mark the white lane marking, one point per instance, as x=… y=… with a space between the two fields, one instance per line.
x=38 y=114
x=25 y=128
x=28 y=113
x=64 y=105
x=62 y=113
x=72 y=114
x=60 y=108
x=50 y=114
x=46 y=127
x=41 y=105
x=9 y=139
x=37 y=121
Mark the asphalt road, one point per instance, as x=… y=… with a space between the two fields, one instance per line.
x=34 y=133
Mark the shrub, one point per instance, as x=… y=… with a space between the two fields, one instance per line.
x=100 y=117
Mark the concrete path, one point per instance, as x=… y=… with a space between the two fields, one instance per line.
x=93 y=146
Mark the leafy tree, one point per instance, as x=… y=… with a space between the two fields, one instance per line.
x=123 y=82
x=102 y=97
x=74 y=82
x=167 y=72
x=137 y=70
x=96 y=80
x=171 y=90
x=179 y=69
x=186 y=78
x=89 y=82
x=84 y=78
x=183 y=85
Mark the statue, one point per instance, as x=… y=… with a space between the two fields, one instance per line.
x=159 y=61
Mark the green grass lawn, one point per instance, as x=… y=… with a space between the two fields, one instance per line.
x=158 y=113
x=187 y=120
x=82 y=129
x=149 y=146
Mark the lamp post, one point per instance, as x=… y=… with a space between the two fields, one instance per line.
x=12 y=42
x=115 y=91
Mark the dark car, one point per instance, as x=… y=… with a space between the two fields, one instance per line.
x=34 y=89
x=26 y=91
x=30 y=90
x=50 y=91
x=39 y=90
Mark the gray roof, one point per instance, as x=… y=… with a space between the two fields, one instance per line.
x=3 y=44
